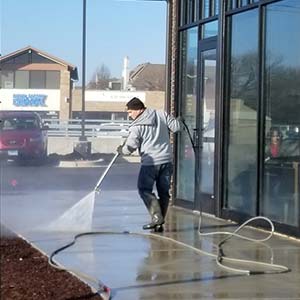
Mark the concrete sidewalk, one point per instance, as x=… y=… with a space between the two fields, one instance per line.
x=177 y=264
x=150 y=267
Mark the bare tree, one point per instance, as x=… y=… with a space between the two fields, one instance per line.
x=100 y=78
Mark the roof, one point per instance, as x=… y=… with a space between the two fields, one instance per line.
x=148 y=77
x=39 y=52
x=27 y=49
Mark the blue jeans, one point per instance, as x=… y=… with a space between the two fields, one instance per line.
x=161 y=176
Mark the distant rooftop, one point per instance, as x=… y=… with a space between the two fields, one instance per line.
x=148 y=77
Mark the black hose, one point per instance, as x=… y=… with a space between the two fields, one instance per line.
x=189 y=134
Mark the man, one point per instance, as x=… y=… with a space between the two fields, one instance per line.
x=149 y=133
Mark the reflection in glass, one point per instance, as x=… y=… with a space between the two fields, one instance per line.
x=52 y=79
x=192 y=10
x=37 y=79
x=188 y=78
x=7 y=79
x=209 y=8
x=210 y=29
x=22 y=79
x=22 y=59
x=188 y=11
x=206 y=7
x=217 y=8
x=282 y=119
x=183 y=10
x=242 y=102
x=208 y=61
x=38 y=59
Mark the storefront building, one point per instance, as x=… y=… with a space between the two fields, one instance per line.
x=235 y=79
x=111 y=105
x=33 y=80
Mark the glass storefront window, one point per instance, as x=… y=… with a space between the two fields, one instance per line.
x=187 y=107
x=233 y=4
x=7 y=79
x=195 y=10
x=206 y=9
x=217 y=8
x=22 y=79
x=38 y=59
x=210 y=29
x=282 y=118
x=241 y=170
x=52 y=79
x=209 y=8
x=30 y=79
x=183 y=14
x=22 y=59
x=188 y=11
x=37 y=79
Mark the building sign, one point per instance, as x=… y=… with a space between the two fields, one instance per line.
x=113 y=96
x=32 y=100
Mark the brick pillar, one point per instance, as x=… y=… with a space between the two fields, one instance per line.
x=64 y=94
x=172 y=56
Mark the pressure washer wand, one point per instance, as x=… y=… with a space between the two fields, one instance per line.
x=97 y=187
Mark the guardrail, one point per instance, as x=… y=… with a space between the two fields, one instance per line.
x=93 y=128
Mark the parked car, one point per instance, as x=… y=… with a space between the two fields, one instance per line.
x=22 y=135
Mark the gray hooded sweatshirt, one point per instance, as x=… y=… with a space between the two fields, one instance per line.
x=149 y=133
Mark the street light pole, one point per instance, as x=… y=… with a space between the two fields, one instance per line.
x=83 y=147
x=82 y=137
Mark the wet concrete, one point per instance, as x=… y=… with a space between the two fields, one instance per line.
x=146 y=267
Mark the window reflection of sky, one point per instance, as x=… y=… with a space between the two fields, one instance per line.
x=284 y=33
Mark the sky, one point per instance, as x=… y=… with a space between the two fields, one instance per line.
x=114 y=29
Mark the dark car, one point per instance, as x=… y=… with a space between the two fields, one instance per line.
x=22 y=135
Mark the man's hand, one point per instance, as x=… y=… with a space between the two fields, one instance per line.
x=120 y=150
x=180 y=119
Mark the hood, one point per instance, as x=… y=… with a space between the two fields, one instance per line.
x=147 y=118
